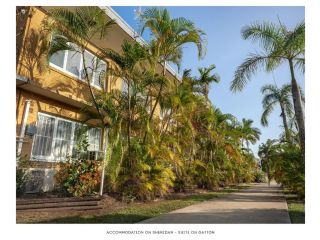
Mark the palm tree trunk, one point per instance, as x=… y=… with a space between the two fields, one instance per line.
x=90 y=89
x=157 y=100
x=129 y=125
x=268 y=172
x=298 y=108
x=285 y=123
x=207 y=92
x=160 y=90
x=106 y=133
x=102 y=121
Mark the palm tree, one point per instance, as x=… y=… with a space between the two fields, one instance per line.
x=73 y=31
x=266 y=153
x=273 y=96
x=168 y=37
x=249 y=133
x=206 y=78
x=280 y=45
x=129 y=66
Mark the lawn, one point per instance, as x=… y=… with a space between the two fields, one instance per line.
x=295 y=207
x=137 y=212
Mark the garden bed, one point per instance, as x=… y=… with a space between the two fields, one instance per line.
x=115 y=211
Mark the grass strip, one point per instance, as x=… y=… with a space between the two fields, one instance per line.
x=138 y=212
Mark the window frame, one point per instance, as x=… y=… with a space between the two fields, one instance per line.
x=52 y=158
x=64 y=68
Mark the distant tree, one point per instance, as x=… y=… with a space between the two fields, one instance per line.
x=272 y=96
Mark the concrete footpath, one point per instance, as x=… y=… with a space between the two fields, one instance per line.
x=258 y=204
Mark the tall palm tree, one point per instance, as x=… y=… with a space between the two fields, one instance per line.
x=168 y=37
x=272 y=95
x=129 y=65
x=206 y=78
x=280 y=45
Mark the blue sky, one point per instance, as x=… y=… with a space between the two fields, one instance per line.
x=226 y=49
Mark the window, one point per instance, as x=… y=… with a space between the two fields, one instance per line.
x=62 y=140
x=57 y=59
x=94 y=135
x=88 y=62
x=55 y=138
x=43 y=139
x=72 y=63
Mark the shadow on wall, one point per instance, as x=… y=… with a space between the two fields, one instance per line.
x=34 y=56
x=34 y=65
x=22 y=14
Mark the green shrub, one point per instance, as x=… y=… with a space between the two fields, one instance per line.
x=20 y=181
x=21 y=176
x=291 y=170
x=259 y=176
x=78 y=178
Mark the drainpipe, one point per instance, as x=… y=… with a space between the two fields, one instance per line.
x=23 y=125
x=103 y=161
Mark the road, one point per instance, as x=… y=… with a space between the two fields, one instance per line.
x=257 y=204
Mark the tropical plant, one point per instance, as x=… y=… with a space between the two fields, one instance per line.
x=73 y=31
x=205 y=79
x=192 y=143
x=282 y=161
x=77 y=178
x=267 y=153
x=289 y=169
x=248 y=133
x=129 y=67
x=168 y=37
x=279 y=45
x=272 y=95
x=22 y=178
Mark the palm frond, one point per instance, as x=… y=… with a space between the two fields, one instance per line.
x=266 y=112
x=295 y=40
x=266 y=33
x=248 y=68
x=300 y=64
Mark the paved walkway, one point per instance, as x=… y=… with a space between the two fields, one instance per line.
x=258 y=204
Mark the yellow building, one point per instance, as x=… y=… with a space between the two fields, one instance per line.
x=49 y=100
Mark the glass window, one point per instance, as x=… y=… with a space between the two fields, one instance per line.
x=58 y=58
x=94 y=139
x=44 y=136
x=56 y=138
x=73 y=62
x=88 y=62
x=63 y=140
x=80 y=136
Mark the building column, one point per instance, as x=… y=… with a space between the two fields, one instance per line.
x=23 y=125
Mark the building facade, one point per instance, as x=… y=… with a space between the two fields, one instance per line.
x=49 y=101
